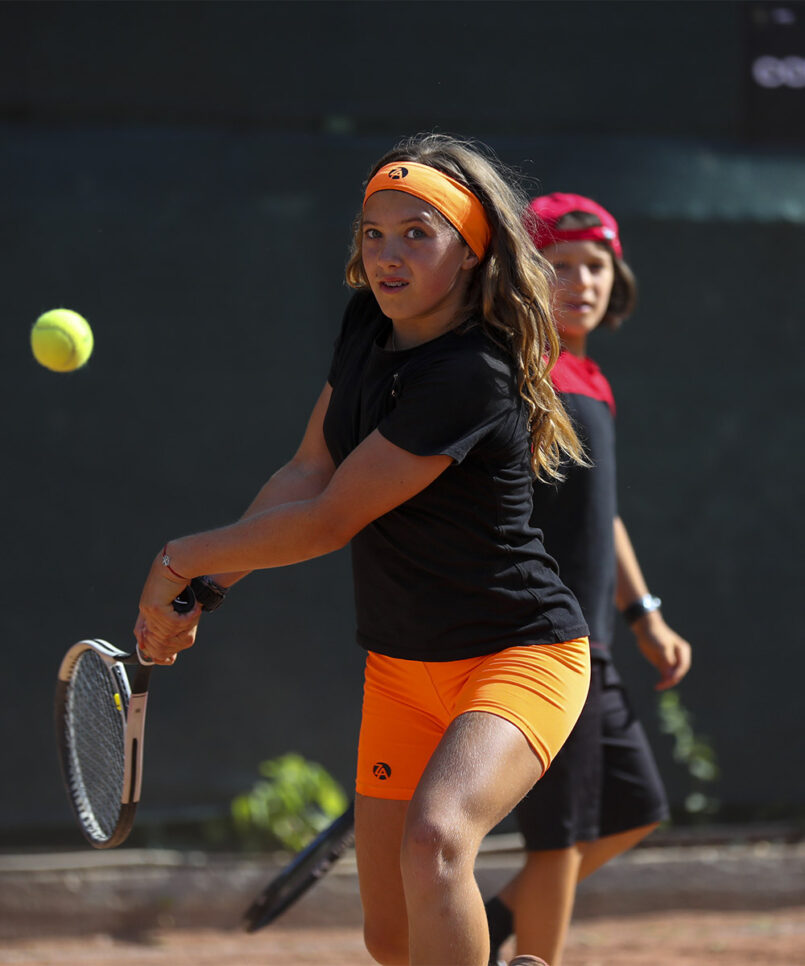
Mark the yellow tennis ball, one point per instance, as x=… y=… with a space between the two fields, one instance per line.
x=61 y=340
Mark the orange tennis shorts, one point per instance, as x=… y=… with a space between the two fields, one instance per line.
x=408 y=705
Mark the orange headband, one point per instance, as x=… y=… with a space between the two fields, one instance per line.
x=458 y=204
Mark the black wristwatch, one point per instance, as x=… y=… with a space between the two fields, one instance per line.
x=209 y=594
x=642 y=606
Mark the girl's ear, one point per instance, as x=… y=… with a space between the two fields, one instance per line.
x=470 y=258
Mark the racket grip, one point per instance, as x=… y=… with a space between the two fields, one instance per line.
x=183 y=603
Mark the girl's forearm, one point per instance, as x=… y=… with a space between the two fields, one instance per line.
x=274 y=537
x=293 y=482
x=630 y=582
x=290 y=484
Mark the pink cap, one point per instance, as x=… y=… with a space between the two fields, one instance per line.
x=550 y=208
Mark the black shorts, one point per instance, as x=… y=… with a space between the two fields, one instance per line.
x=603 y=781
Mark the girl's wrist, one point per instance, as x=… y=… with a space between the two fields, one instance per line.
x=640 y=608
x=649 y=625
x=171 y=566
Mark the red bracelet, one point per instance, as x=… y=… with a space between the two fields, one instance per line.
x=166 y=562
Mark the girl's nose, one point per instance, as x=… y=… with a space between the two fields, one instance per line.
x=389 y=252
x=582 y=277
x=576 y=278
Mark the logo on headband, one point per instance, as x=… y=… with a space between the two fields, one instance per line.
x=398 y=173
x=608 y=233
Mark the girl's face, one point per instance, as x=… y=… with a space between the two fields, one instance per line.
x=417 y=265
x=584 y=277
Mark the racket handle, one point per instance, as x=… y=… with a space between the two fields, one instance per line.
x=183 y=603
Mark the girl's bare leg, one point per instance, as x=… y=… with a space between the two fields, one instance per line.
x=481 y=768
x=378 y=835
x=543 y=894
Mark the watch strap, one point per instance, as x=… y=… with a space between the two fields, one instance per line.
x=642 y=606
x=209 y=594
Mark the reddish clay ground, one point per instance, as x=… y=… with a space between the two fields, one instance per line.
x=770 y=938
x=732 y=904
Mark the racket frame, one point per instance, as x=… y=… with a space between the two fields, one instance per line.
x=134 y=702
x=133 y=710
x=304 y=870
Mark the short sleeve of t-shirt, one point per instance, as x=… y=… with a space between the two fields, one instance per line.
x=450 y=398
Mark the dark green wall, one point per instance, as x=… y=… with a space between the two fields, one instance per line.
x=178 y=173
x=381 y=65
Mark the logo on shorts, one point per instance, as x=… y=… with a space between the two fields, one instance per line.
x=398 y=173
x=381 y=771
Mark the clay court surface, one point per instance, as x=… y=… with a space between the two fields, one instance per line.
x=650 y=939
x=734 y=904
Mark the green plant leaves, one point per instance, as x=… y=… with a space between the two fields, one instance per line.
x=694 y=752
x=289 y=805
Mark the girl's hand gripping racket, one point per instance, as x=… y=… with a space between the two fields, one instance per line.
x=100 y=724
x=302 y=872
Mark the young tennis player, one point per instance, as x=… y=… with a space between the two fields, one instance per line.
x=603 y=792
x=421 y=452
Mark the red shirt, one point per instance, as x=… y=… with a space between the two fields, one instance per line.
x=581 y=376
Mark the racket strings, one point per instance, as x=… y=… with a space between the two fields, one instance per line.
x=95 y=723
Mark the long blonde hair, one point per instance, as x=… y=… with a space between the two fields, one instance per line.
x=510 y=290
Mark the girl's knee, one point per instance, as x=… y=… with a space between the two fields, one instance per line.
x=433 y=851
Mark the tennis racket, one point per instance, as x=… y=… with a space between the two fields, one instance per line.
x=303 y=871
x=100 y=724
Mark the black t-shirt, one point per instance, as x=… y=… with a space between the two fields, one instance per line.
x=576 y=516
x=458 y=570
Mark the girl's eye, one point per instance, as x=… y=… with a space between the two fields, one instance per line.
x=371 y=233
x=415 y=233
